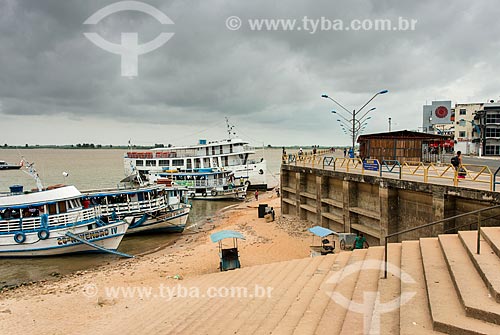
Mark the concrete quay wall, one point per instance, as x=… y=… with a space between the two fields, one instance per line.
x=377 y=206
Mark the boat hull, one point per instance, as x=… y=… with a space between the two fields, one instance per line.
x=171 y=222
x=10 y=167
x=108 y=236
x=238 y=194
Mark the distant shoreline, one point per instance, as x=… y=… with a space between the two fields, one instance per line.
x=136 y=147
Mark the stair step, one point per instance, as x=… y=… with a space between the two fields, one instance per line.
x=487 y=263
x=312 y=315
x=363 y=300
x=215 y=309
x=470 y=287
x=281 y=303
x=333 y=316
x=390 y=290
x=492 y=236
x=238 y=314
x=414 y=316
x=168 y=317
x=304 y=299
x=446 y=310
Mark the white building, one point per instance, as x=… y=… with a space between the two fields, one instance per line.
x=466 y=134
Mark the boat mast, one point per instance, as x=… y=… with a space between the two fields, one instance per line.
x=229 y=128
x=32 y=172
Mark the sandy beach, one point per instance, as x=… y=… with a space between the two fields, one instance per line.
x=68 y=304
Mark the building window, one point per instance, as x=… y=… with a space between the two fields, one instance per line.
x=163 y=162
x=493 y=150
x=462 y=123
x=150 y=162
x=463 y=112
x=492 y=132
x=139 y=162
x=461 y=134
x=492 y=118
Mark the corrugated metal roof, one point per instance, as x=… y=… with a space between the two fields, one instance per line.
x=403 y=134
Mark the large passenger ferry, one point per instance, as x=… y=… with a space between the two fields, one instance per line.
x=232 y=154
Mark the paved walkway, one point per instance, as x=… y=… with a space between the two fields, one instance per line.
x=478 y=177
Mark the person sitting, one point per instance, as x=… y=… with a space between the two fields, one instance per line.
x=360 y=242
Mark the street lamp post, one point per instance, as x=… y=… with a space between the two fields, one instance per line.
x=355 y=113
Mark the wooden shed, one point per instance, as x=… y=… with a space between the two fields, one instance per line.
x=403 y=146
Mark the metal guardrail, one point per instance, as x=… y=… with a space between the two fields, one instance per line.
x=391 y=166
x=495 y=182
x=478 y=222
x=479 y=174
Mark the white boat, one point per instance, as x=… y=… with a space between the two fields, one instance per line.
x=146 y=208
x=231 y=154
x=54 y=222
x=204 y=184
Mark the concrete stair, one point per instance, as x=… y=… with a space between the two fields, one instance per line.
x=434 y=286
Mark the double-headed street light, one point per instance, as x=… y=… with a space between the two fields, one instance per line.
x=354 y=114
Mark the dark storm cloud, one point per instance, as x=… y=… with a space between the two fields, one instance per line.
x=267 y=80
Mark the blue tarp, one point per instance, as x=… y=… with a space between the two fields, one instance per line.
x=321 y=231
x=220 y=235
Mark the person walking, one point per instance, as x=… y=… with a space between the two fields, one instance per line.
x=456 y=161
x=345 y=152
x=256 y=195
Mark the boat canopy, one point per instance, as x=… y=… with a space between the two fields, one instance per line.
x=40 y=198
x=223 y=234
x=321 y=231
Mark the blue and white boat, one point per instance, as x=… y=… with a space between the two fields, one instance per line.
x=145 y=208
x=206 y=184
x=54 y=222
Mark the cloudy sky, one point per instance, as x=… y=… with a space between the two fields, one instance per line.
x=57 y=87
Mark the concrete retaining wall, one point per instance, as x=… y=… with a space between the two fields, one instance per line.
x=378 y=206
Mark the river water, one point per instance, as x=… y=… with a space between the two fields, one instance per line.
x=92 y=169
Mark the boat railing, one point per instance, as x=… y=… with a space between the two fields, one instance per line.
x=56 y=220
x=210 y=183
x=187 y=153
x=135 y=206
x=176 y=212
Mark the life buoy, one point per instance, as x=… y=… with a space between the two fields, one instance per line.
x=192 y=195
x=214 y=193
x=43 y=234
x=19 y=237
x=204 y=194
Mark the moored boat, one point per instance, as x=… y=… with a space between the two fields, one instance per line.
x=205 y=184
x=231 y=154
x=54 y=222
x=6 y=166
x=146 y=208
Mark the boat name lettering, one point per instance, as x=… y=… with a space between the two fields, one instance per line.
x=87 y=236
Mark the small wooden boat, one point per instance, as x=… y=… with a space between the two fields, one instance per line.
x=206 y=184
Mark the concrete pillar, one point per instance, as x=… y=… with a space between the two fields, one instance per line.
x=350 y=199
x=298 y=182
x=319 y=192
x=438 y=208
x=283 y=172
x=389 y=220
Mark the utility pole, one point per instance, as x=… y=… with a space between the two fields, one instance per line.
x=389 y=125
